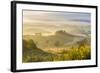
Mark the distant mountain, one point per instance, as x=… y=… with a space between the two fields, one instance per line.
x=74 y=28
x=60 y=39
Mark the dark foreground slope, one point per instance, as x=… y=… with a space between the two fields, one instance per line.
x=31 y=53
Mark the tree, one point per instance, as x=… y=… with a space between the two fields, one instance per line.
x=60 y=32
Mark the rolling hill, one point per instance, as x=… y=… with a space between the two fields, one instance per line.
x=60 y=39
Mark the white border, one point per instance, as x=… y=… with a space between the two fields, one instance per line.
x=21 y=65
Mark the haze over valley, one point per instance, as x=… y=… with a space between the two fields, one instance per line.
x=56 y=36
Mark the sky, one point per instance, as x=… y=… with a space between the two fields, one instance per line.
x=50 y=21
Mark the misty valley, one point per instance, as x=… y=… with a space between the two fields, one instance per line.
x=50 y=36
x=60 y=46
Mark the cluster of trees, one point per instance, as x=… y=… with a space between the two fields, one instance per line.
x=80 y=51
